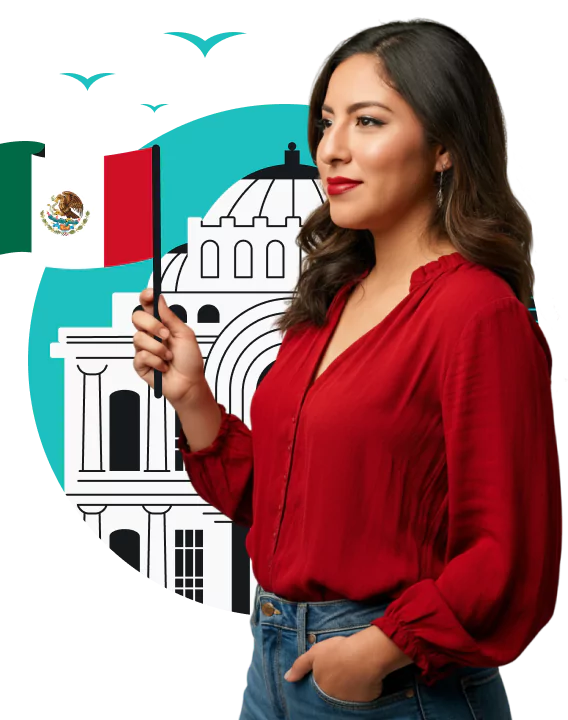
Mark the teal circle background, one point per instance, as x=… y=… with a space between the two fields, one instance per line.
x=199 y=161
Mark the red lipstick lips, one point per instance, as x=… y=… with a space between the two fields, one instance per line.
x=342 y=180
x=339 y=184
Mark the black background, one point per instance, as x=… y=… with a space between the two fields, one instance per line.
x=91 y=640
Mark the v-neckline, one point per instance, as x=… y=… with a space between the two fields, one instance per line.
x=335 y=310
x=335 y=316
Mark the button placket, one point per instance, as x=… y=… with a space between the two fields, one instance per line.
x=281 y=504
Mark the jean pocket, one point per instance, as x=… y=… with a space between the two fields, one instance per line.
x=398 y=686
x=485 y=694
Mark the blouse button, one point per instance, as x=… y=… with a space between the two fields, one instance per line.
x=293 y=418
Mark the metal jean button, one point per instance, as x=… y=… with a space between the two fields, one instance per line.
x=269 y=609
x=311 y=638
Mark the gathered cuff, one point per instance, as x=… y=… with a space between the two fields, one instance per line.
x=430 y=663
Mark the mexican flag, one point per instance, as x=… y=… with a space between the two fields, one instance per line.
x=75 y=209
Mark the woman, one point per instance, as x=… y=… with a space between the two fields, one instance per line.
x=401 y=480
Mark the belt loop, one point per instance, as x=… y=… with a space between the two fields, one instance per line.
x=255 y=605
x=302 y=609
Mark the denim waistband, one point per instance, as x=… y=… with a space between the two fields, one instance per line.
x=319 y=616
x=323 y=617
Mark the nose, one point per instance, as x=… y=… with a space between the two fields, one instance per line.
x=334 y=146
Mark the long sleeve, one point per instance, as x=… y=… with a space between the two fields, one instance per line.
x=222 y=473
x=499 y=584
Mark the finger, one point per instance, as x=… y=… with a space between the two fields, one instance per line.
x=300 y=666
x=143 y=341
x=146 y=373
x=147 y=300
x=144 y=320
x=144 y=359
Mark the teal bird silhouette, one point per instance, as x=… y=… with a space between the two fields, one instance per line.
x=87 y=82
x=204 y=45
x=155 y=108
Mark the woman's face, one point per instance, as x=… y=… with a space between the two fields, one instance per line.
x=383 y=148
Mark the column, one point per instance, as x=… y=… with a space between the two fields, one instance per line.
x=92 y=516
x=92 y=439
x=157 y=549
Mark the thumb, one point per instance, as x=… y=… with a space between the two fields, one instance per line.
x=299 y=668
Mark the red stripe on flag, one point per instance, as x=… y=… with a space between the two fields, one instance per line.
x=128 y=207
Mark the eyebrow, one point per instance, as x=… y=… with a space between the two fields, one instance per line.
x=358 y=105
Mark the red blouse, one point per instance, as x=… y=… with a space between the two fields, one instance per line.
x=421 y=465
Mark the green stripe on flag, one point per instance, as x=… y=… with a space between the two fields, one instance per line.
x=16 y=194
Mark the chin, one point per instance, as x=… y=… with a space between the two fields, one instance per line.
x=345 y=221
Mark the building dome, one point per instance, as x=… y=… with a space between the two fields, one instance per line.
x=269 y=197
x=277 y=192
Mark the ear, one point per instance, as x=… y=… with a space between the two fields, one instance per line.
x=443 y=159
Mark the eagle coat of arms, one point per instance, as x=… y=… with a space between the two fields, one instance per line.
x=65 y=214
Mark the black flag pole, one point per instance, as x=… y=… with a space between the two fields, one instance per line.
x=156 y=251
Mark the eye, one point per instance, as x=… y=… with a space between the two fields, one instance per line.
x=373 y=121
x=321 y=122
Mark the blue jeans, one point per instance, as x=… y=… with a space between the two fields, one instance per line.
x=283 y=630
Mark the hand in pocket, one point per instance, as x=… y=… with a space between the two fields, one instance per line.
x=341 y=668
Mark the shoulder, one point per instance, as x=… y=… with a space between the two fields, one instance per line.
x=461 y=294
x=469 y=291
x=475 y=303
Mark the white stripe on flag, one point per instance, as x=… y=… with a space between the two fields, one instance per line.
x=83 y=175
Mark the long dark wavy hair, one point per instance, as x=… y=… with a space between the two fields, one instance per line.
x=442 y=77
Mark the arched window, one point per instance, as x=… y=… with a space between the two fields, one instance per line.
x=180 y=312
x=124 y=430
x=243 y=259
x=210 y=259
x=126 y=544
x=275 y=259
x=208 y=314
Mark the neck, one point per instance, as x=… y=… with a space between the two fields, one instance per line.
x=401 y=249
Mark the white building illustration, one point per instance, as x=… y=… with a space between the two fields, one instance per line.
x=123 y=470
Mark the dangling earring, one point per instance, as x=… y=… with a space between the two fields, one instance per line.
x=439 y=195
